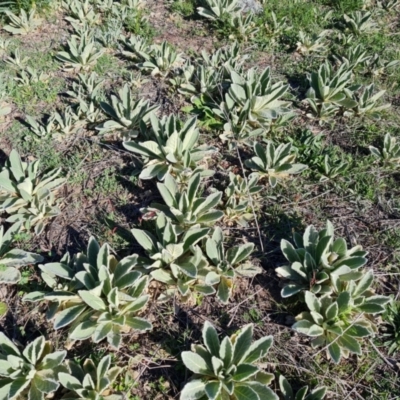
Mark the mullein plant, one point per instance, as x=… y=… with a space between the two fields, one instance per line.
x=95 y=295
x=228 y=369
x=26 y=195
x=31 y=373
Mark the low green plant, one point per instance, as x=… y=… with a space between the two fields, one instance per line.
x=226 y=369
x=275 y=28
x=359 y=22
x=12 y=259
x=389 y=5
x=187 y=208
x=42 y=129
x=16 y=61
x=353 y=57
x=368 y=103
x=4 y=45
x=81 y=12
x=389 y=154
x=91 y=381
x=225 y=266
x=110 y=33
x=29 y=374
x=339 y=323
x=238 y=202
x=22 y=24
x=128 y=116
x=26 y=195
x=87 y=87
x=312 y=43
x=28 y=76
x=277 y=163
x=242 y=27
x=330 y=90
x=228 y=57
x=316 y=259
x=82 y=54
x=172 y=149
x=332 y=169
x=161 y=60
x=288 y=393
x=136 y=18
x=95 y=295
x=185 y=7
x=218 y=9
x=377 y=66
x=257 y=97
x=135 y=46
x=198 y=81
x=175 y=260
x=391 y=320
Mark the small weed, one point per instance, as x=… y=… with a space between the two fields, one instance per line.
x=183 y=7
x=139 y=25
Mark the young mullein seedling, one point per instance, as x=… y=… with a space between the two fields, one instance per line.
x=316 y=259
x=238 y=204
x=389 y=5
x=4 y=44
x=109 y=34
x=275 y=162
x=12 y=259
x=41 y=129
x=242 y=26
x=22 y=24
x=391 y=320
x=200 y=80
x=29 y=374
x=389 y=155
x=332 y=169
x=175 y=260
x=275 y=28
x=217 y=9
x=311 y=43
x=81 y=13
x=27 y=196
x=225 y=58
x=185 y=207
x=255 y=95
x=330 y=90
x=90 y=381
x=5 y=108
x=161 y=60
x=353 y=57
x=87 y=87
x=340 y=323
x=28 y=76
x=359 y=22
x=128 y=116
x=16 y=61
x=376 y=66
x=172 y=150
x=88 y=113
x=82 y=54
x=227 y=369
x=66 y=123
x=135 y=47
x=288 y=393
x=225 y=266
x=99 y=298
x=368 y=103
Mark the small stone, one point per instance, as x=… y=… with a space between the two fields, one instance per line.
x=252 y=6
